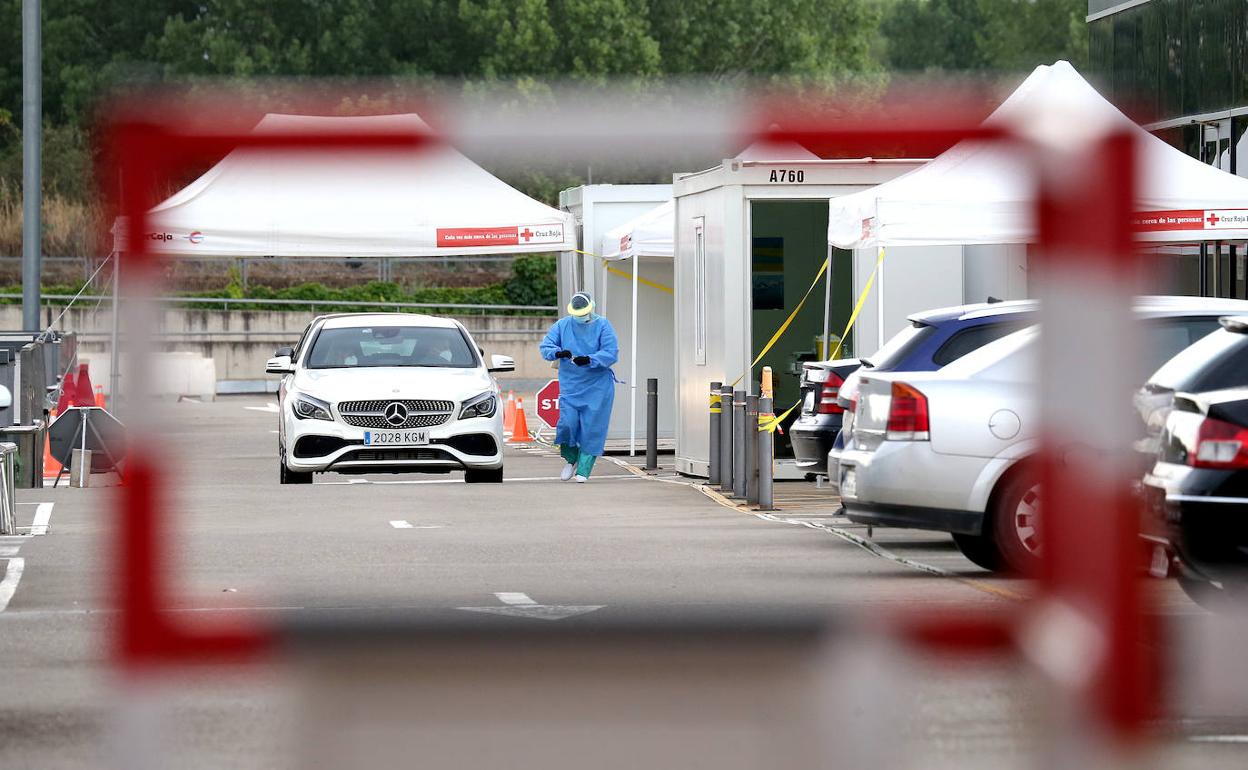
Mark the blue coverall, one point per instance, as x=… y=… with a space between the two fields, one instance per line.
x=586 y=393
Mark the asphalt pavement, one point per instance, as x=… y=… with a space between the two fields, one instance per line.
x=433 y=549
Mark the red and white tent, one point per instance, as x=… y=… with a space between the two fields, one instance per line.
x=981 y=193
x=429 y=201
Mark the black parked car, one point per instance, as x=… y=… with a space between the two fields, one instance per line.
x=1197 y=495
x=1216 y=359
x=816 y=427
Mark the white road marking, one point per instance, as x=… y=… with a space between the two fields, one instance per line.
x=520 y=605
x=43 y=515
x=8 y=586
x=516 y=598
x=270 y=407
x=612 y=477
x=401 y=524
x=1219 y=738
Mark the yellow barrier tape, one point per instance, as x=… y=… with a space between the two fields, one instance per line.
x=784 y=326
x=862 y=299
x=772 y=424
x=640 y=280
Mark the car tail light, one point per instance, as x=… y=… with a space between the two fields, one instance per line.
x=828 y=394
x=907 y=414
x=1220 y=445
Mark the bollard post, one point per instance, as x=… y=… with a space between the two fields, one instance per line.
x=738 y=443
x=8 y=505
x=751 y=450
x=712 y=470
x=652 y=424
x=766 y=445
x=725 y=439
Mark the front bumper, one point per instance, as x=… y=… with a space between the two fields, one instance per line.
x=325 y=446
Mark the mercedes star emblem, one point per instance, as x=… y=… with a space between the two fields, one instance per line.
x=395 y=414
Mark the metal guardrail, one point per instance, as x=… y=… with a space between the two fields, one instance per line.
x=284 y=335
x=225 y=302
x=8 y=475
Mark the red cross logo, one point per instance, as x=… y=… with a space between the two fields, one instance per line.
x=527 y=234
x=1213 y=219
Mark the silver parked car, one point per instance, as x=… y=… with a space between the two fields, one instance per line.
x=948 y=450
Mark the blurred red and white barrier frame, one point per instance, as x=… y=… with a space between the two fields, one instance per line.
x=1088 y=627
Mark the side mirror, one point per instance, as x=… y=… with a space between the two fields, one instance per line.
x=285 y=351
x=502 y=363
x=6 y=398
x=279 y=365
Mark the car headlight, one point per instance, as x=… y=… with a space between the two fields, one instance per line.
x=308 y=408
x=479 y=406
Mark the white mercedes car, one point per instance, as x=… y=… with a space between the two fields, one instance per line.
x=388 y=393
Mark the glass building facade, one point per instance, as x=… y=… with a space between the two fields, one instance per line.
x=1181 y=67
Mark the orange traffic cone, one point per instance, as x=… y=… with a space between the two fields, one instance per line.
x=68 y=389
x=84 y=395
x=99 y=396
x=520 y=428
x=51 y=468
x=509 y=413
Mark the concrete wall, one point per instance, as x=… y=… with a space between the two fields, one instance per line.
x=240 y=342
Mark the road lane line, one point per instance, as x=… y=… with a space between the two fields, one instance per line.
x=8 y=586
x=43 y=515
x=401 y=524
x=1219 y=739
x=843 y=534
x=515 y=598
x=270 y=407
x=611 y=477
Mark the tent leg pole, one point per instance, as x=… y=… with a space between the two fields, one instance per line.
x=827 y=308
x=114 y=364
x=632 y=376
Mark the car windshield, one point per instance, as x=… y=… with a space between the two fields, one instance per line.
x=376 y=346
x=898 y=347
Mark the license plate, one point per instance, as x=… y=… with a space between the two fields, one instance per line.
x=849 y=483
x=1160 y=566
x=396 y=437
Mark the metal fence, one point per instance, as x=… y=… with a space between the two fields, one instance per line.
x=228 y=302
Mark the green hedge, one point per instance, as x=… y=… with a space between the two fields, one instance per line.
x=532 y=283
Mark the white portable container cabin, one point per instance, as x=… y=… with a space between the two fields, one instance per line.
x=596 y=210
x=751 y=235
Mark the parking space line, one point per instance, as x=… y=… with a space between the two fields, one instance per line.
x=400 y=524
x=12 y=576
x=43 y=516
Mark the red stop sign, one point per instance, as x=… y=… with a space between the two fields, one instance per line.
x=548 y=403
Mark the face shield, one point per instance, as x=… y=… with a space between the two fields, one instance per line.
x=581 y=307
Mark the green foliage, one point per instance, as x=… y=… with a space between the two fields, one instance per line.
x=969 y=35
x=532 y=281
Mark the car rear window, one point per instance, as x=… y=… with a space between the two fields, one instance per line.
x=899 y=347
x=1164 y=338
x=1214 y=362
x=974 y=338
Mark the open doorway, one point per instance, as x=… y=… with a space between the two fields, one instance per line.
x=788 y=243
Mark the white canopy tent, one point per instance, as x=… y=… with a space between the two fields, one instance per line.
x=981 y=192
x=651 y=234
x=424 y=202
x=429 y=201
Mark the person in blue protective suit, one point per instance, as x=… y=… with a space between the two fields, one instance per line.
x=585 y=346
